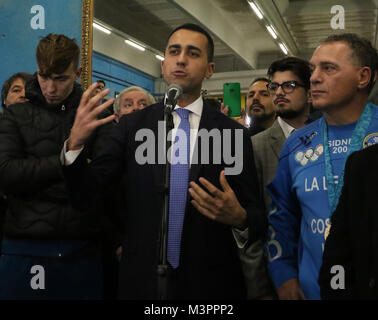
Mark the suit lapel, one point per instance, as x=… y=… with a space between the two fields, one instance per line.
x=159 y=169
x=276 y=138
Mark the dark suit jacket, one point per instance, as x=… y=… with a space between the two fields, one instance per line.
x=353 y=239
x=255 y=129
x=209 y=263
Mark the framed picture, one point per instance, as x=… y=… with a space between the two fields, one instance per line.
x=86 y=43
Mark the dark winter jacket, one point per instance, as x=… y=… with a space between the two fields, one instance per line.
x=31 y=139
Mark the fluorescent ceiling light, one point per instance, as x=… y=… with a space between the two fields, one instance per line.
x=257 y=11
x=135 y=45
x=97 y=26
x=271 y=31
x=283 y=48
x=159 y=57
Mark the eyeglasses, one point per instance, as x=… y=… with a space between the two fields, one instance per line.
x=287 y=87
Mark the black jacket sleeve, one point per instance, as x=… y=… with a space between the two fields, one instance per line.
x=21 y=172
x=89 y=183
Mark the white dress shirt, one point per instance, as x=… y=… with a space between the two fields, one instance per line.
x=196 y=108
x=286 y=128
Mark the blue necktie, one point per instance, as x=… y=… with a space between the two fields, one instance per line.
x=179 y=178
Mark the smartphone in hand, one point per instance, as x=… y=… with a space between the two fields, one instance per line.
x=231 y=98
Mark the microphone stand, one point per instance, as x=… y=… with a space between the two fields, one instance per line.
x=162 y=268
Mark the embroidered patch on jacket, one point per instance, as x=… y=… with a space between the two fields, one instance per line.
x=309 y=155
x=370 y=140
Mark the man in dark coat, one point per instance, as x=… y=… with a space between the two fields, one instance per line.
x=50 y=250
x=207 y=265
x=349 y=269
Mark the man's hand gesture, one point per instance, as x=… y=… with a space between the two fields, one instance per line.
x=86 y=120
x=219 y=205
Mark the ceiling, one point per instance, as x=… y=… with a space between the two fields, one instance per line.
x=242 y=41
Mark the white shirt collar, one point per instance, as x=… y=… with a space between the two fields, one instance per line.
x=286 y=128
x=195 y=107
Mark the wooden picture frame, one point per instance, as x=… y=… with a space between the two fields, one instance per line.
x=86 y=43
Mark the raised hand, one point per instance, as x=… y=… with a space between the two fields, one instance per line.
x=86 y=119
x=241 y=120
x=224 y=109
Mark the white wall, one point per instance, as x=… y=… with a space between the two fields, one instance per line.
x=115 y=47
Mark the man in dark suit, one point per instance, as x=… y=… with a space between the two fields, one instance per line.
x=349 y=269
x=206 y=265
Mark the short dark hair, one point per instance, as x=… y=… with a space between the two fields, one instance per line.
x=101 y=81
x=300 y=67
x=55 y=53
x=260 y=79
x=197 y=28
x=363 y=51
x=8 y=83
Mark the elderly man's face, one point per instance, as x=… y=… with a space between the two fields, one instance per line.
x=132 y=101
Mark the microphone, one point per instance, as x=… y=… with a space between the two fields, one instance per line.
x=173 y=92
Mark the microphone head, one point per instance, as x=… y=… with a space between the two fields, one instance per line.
x=174 y=92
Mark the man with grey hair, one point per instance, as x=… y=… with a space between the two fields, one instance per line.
x=310 y=173
x=131 y=99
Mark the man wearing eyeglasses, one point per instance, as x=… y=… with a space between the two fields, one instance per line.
x=290 y=82
x=309 y=177
x=288 y=88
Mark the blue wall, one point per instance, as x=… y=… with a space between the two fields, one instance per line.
x=119 y=76
x=23 y=22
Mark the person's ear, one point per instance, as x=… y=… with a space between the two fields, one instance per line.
x=210 y=70
x=364 y=77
